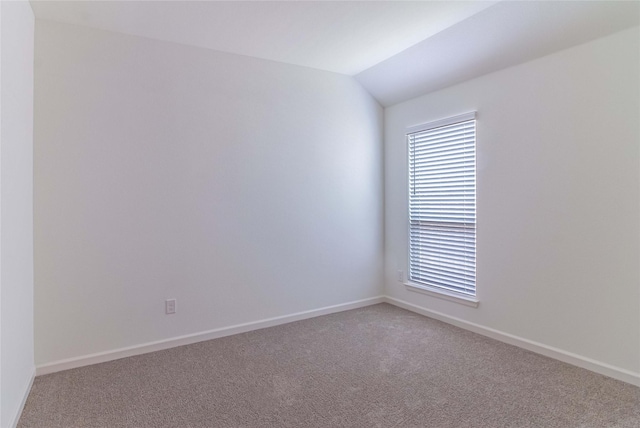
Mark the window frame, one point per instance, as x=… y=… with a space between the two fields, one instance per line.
x=442 y=293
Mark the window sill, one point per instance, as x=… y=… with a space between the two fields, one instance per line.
x=442 y=294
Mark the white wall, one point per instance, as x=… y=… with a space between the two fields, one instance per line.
x=244 y=188
x=558 y=196
x=16 y=224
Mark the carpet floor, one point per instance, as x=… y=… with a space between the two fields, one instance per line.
x=378 y=366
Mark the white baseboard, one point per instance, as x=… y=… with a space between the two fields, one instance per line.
x=25 y=395
x=539 y=348
x=160 y=345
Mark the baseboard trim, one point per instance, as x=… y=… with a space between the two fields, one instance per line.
x=539 y=348
x=102 y=357
x=16 y=417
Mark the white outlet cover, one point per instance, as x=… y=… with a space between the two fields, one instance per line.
x=170 y=306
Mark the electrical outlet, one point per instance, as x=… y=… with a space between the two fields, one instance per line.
x=400 y=276
x=170 y=306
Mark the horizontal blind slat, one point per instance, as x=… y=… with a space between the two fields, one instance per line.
x=470 y=290
x=459 y=280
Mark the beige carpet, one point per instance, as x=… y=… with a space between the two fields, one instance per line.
x=374 y=367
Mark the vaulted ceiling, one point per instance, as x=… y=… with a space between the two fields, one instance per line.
x=396 y=49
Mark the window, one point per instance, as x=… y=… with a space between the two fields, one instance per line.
x=442 y=205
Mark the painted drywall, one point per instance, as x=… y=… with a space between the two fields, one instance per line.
x=339 y=36
x=246 y=189
x=504 y=35
x=558 y=197
x=16 y=215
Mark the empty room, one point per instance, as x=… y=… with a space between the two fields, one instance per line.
x=319 y=214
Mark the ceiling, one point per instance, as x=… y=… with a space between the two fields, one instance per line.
x=501 y=36
x=397 y=50
x=345 y=37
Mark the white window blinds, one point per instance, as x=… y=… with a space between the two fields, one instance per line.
x=442 y=204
